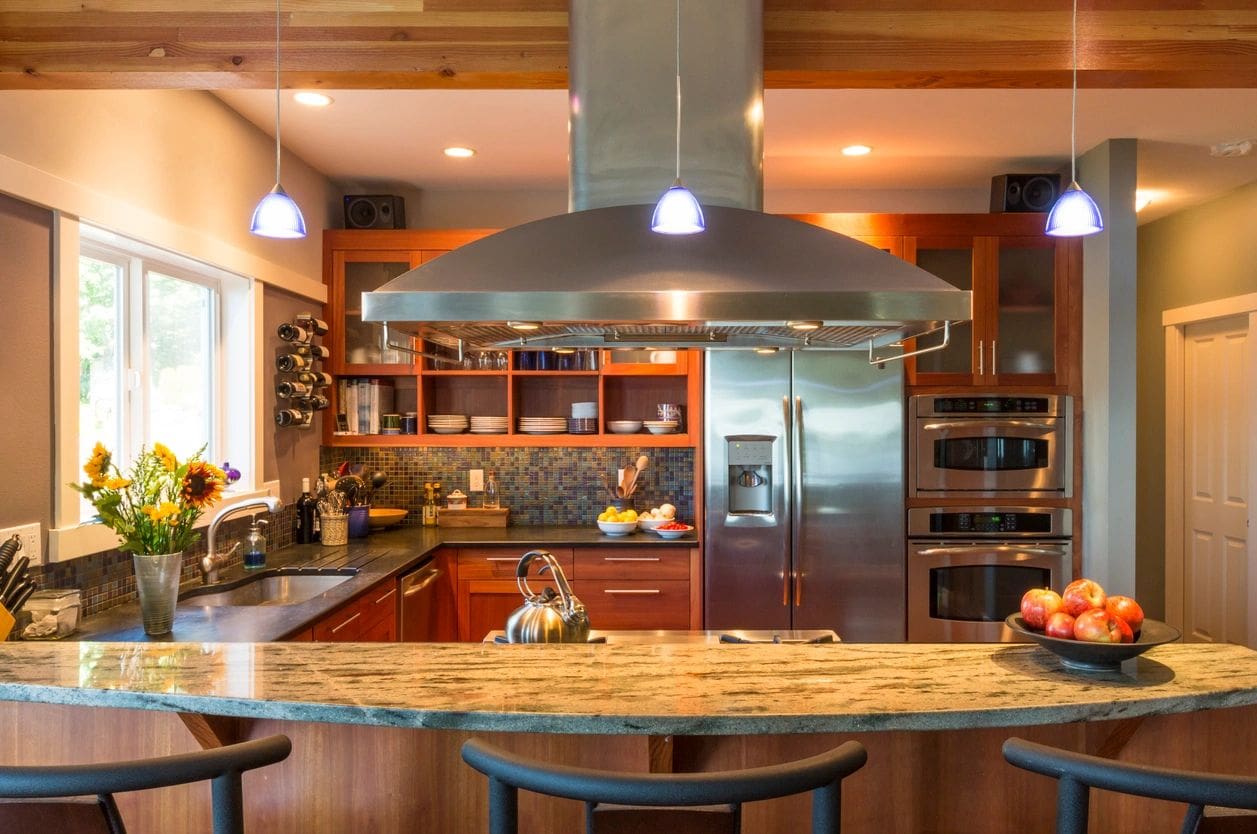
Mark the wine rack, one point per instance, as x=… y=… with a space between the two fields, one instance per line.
x=300 y=384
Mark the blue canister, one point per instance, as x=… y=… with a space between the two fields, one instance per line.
x=410 y=423
x=359 y=521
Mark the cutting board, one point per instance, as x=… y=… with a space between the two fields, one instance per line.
x=474 y=517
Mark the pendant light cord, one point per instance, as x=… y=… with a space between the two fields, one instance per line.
x=1073 y=104
x=678 y=72
x=277 y=92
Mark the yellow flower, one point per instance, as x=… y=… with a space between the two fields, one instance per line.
x=166 y=456
x=97 y=464
x=163 y=510
x=117 y=483
x=203 y=485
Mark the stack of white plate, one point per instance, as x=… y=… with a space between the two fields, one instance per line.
x=543 y=425
x=661 y=426
x=583 y=411
x=447 y=423
x=489 y=425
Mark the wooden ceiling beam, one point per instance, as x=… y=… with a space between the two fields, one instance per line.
x=222 y=44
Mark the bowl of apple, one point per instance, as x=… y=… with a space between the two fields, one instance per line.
x=1086 y=628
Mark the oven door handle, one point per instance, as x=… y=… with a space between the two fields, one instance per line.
x=995 y=548
x=971 y=424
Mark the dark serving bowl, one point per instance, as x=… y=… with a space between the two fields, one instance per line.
x=1098 y=657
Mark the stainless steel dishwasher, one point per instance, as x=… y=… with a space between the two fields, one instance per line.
x=419 y=590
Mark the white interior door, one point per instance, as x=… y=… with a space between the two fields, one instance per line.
x=1215 y=473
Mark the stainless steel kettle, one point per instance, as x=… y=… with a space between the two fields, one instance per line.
x=547 y=617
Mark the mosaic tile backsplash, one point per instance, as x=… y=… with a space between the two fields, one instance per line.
x=540 y=485
x=108 y=579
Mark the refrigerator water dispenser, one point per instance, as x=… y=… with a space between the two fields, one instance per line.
x=750 y=459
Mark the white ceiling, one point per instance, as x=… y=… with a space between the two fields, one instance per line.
x=936 y=140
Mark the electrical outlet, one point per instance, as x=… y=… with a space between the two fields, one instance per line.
x=476 y=480
x=32 y=541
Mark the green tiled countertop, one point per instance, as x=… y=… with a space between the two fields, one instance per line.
x=382 y=555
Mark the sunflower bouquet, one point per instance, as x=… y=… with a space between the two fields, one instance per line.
x=154 y=506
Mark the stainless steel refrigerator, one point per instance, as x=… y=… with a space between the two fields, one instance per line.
x=804 y=503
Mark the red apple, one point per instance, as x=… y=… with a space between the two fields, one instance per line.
x=1060 y=625
x=1083 y=595
x=1038 y=604
x=1099 y=626
x=1127 y=610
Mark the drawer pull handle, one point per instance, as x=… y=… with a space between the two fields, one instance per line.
x=347 y=622
x=630 y=558
x=632 y=591
x=511 y=559
x=386 y=596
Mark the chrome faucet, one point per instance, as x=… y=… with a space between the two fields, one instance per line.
x=213 y=560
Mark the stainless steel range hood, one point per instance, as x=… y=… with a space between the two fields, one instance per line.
x=598 y=276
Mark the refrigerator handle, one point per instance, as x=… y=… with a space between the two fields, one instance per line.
x=796 y=522
x=787 y=553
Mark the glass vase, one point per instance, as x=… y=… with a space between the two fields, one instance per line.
x=157 y=581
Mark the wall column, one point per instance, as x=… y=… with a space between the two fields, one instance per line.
x=1109 y=359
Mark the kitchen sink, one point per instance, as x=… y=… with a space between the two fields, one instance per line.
x=282 y=587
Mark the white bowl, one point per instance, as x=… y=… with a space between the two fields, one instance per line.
x=624 y=426
x=676 y=534
x=651 y=523
x=661 y=429
x=617 y=528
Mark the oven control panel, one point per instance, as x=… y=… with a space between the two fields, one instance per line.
x=1043 y=406
x=1038 y=522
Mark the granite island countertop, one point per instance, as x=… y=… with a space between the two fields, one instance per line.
x=385 y=553
x=684 y=689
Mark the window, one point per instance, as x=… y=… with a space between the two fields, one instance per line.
x=164 y=352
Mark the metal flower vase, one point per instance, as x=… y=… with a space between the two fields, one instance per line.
x=157 y=581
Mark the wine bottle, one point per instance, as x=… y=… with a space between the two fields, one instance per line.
x=317 y=326
x=293 y=333
x=315 y=379
x=291 y=362
x=315 y=402
x=304 y=532
x=291 y=417
x=310 y=351
x=286 y=389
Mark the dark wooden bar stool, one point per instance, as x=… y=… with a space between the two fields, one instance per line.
x=47 y=790
x=1078 y=773
x=677 y=802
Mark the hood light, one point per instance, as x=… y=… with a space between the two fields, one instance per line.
x=524 y=325
x=767 y=351
x=564 y=350
x=804 y=325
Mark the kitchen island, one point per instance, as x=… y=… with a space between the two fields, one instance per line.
x=376 y=728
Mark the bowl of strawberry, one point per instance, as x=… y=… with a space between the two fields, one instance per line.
x=673 y=529
x=1086 y=628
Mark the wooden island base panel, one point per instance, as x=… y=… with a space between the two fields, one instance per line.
x=376 y=729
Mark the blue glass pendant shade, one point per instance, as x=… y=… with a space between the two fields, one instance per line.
x=277 y=215
x=1074 y=214
x=677 y=213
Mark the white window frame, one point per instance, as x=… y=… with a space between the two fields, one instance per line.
x=238 y=372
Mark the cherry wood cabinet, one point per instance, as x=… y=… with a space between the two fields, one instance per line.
x=1026 y=295
x=622 y=587
x=626 y=384
x=371 y=617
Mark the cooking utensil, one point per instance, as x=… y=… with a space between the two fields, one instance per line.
x=21 y=596
x=638 y=467
x=17 y=574
x=7 y=551
x=378 y=479
x=548 y=617
x=343 y=469
x=627 y=475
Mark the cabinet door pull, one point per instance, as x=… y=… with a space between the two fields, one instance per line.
x=501 y=558
x=981 y=358
x=386 y=596
x=630 y=558
x=993 y=371
x=347 y=622
x=632 y=591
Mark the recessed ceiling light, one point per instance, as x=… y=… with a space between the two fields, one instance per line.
x=856 y=150
x=766 y=351
x=1142 y=200
x=310 y=99
x=459 y=152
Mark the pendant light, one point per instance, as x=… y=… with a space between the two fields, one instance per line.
x=277 y=214
x=678 y=211
x=1075 y=214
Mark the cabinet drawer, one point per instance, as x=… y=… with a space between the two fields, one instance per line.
x=379 y=603
x=633 y=563
x=635 y=604
x=384 y=631
x=500 y=562
x=344 y=626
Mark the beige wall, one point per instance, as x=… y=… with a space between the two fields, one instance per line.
x=1200 y=254
x=181 y=157
x=25 y=362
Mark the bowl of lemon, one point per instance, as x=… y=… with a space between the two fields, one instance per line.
x=615 y=522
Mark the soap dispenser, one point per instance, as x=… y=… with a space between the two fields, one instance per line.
x=255 y=546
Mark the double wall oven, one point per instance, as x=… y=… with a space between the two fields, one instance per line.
x=968 y=565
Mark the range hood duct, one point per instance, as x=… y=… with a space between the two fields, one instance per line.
x=598 y=277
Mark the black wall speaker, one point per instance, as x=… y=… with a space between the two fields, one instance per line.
x=374 y=211
x=1024 y=192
